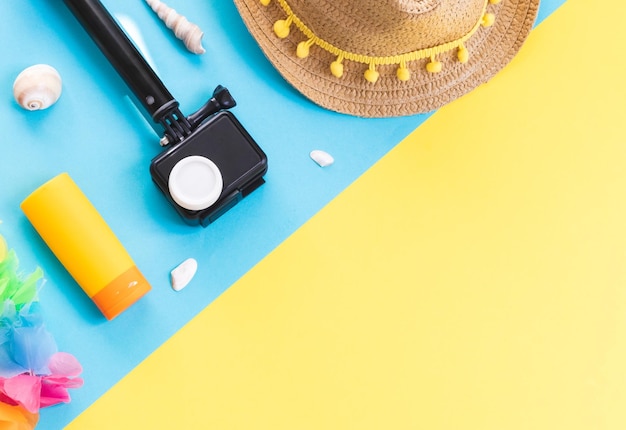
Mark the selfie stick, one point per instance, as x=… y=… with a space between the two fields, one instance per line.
x=212 y=162
x=140 y=77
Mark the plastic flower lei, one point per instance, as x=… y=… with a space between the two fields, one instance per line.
x=33 y=373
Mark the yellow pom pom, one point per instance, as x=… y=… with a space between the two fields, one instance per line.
x=463 y=55
x=265 y=2
x=336 y=68
x=434 y=66
x=403 y=73
x=488 y=19
x=494 y=1
x=371 y=75
x=281 y=28
x=302 y=51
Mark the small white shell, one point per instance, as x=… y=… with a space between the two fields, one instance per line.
x=37 y=87
x=322 y=158
x=184 y=30
x=183 y=273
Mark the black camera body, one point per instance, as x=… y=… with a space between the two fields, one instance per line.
x=222 y=140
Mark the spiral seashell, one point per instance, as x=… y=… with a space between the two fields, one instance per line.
x=184 y=30
x=37 y=87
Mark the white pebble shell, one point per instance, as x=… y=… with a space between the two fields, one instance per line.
x=37 y=87
x=183 y=273
x=322 y=158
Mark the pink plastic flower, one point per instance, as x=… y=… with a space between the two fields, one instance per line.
x=39 y=391
x=33 y=374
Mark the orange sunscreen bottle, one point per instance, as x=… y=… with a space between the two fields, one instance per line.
x=85 y=245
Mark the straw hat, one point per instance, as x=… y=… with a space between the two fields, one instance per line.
x=381 y=58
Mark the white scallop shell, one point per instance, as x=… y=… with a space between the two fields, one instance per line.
x=183 y=273
x=322 y=158
x=37 y=87
x=189 y=33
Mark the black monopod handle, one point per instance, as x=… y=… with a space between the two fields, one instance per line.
x=125 y=58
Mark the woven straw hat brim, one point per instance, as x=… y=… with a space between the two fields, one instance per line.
x=490 y=48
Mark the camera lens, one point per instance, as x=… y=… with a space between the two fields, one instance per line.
x=195 y=183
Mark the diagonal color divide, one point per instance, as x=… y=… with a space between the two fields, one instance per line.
x=485 y=290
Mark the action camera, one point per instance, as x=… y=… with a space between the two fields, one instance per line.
x=210 y=171
x=210 y=162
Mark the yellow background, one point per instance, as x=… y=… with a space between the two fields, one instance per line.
x=474 y=278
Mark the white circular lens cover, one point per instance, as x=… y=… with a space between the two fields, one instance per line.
x=195 y=183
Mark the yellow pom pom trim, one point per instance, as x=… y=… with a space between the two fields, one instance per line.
x=371 y=75
x=281 y=28
x=302 y=51
x=462 y=54
x=488 y=20
x=434 y=66
x=403 y=73
x=336 y=68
